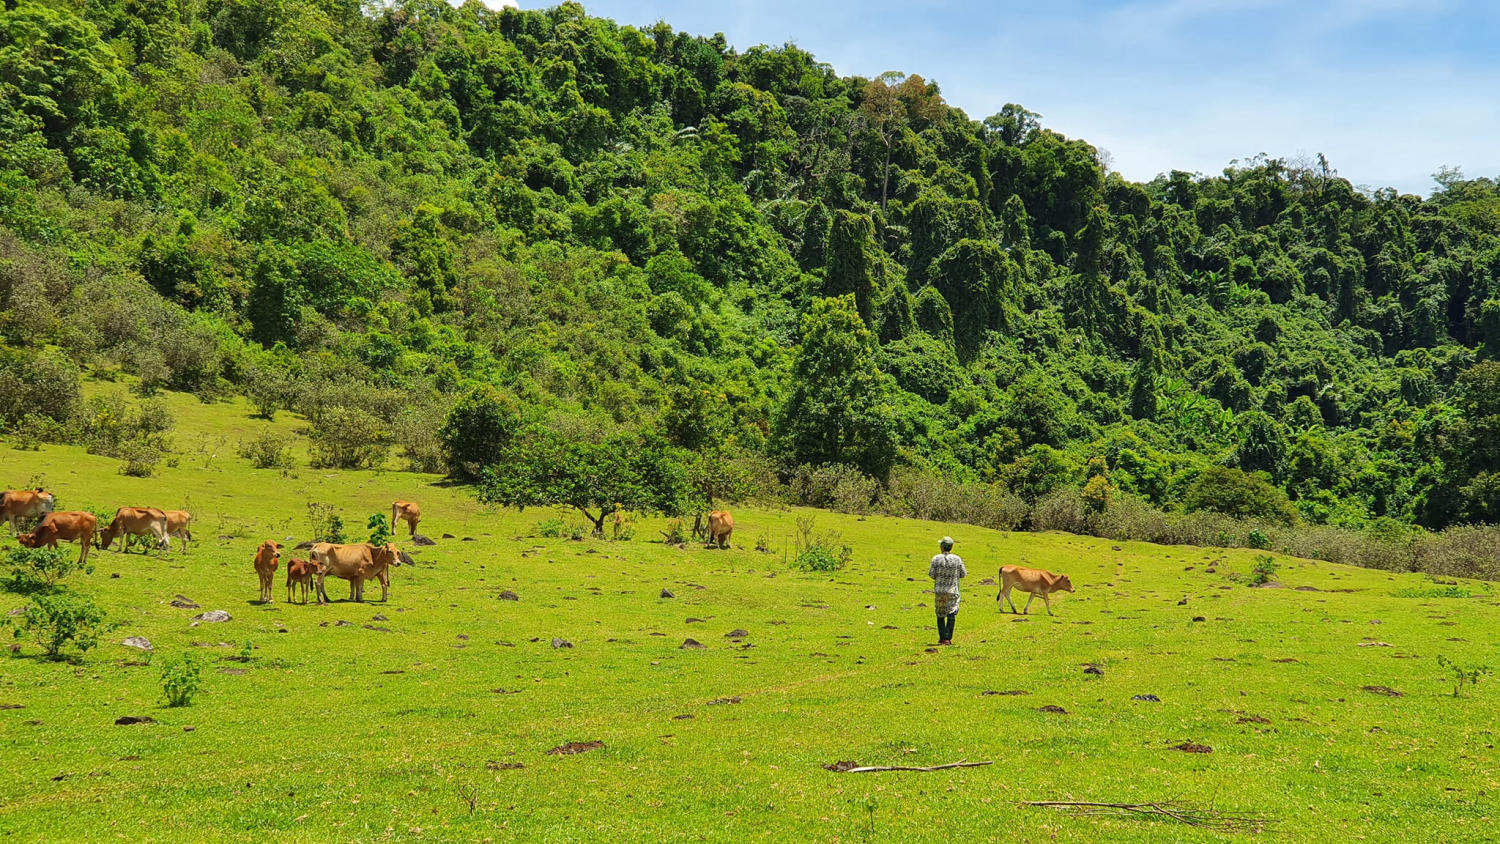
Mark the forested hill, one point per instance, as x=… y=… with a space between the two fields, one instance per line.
x=737 y=249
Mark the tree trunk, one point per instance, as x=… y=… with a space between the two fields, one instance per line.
x=598 y=523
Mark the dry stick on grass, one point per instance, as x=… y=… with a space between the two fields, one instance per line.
x=1207 y=818
x=867 y=769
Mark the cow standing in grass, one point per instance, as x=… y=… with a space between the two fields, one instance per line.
x=67 y=526
x=20 y=506
x=267 y=557
x=720 y=526
x=178 y=522
x=406 y=511
x=136 y=521
x=1033 y=581
x=356 y=564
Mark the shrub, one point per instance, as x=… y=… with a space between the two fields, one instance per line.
x=815 y=551
x=140 y=459
x=925 y=494
x=1064 y=510
x=326 y=524
x=1129 y=518
x=61 y=618
x=268 y=451
x=348 y=438
x=180 y=679
x=380 y=529
x=30 y=431
x=1264 y=570
x=835 y=486
x=1258 y=540
x=478 y=430
x=1240 y=494
x=417 y=431
x=37 y=383
x=553 y=528
x=41 y=569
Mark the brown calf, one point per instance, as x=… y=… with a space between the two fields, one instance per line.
x=267 y=556
x=136 y=521
x=1033 y=581
x=299 y=573
x=23 y=505
x=67 y=526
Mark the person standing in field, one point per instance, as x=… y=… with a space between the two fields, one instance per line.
x=946 y=570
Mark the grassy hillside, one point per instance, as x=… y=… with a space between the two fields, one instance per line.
x=378 y=730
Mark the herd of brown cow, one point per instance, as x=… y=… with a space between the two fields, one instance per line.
x=355 y=563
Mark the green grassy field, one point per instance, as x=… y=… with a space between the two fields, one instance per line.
x=435 y=721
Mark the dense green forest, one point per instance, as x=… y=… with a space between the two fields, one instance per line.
x=431 y=230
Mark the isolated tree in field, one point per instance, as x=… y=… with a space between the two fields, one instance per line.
x=837 y=410
x=639 y=472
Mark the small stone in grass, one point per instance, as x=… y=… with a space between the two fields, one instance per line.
x=508 y=595
x=125 y=720
x=684 y=717
x=1052 y=707
x=379 y=617
x=1093 y=669
x=737 y=634
x=1190 y=747
x=573 y=747
x=1383 y=690
x=1147 y=698
x=667 y=593
x=561 y=643
x=140 y=643
x=212 y=615
x=691 y=645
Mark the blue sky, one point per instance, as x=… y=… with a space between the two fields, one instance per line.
x=1389 y=90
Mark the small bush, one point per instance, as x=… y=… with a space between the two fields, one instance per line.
x=59 y=619
x=32 y=430
x=139 y=458
x=326 y=524
x=1064 y=510
x=818 y=558
x=1462 y=675
x=834 y=487
x=267 y=451
x=41 y=569
x=1258 y=540
x=1264 y=570
x=1433 y=592
x=550 y=528
x=380 y=530
x=180 y=679
x=349 y=438
x=815 y=551
x=416 y=432
x=675 y=534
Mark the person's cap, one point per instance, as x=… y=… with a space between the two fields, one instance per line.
x=946 y=541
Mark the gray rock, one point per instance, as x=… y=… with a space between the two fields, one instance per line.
x=692 y=645
x=667 y=593
x=182 y=602
x=1147 y=698
x=737 y=634
x=379 y=617
x=421 y=540
x=124 y=720
x=561 y=643
x=1093 y=669
x=212 y=615
x=405 y=558
x=343 y=623
x=508 y=595
x=467 y=539
x=447 y=536
x=303 y=546
x=140 y=643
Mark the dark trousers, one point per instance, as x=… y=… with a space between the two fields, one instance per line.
x=945 y=626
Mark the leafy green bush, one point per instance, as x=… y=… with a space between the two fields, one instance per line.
x=41 y=569
x=478 y=430
x=1264 y=569
x=61 y=618
x=814 y=551
x=349 y=438
x=327 y=525
x=1433 y=592
x=818 y=558
x=1258 y=540
x=1462 y=675
x=380 y=529
x=181 y=678
x=550 y=528
x=267 y=451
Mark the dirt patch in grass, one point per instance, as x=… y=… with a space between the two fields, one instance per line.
x=573 y=747
x=1382 y=690
x=1053 y=708
x=1008 y=693
x=1191 y=747
x=722 y=701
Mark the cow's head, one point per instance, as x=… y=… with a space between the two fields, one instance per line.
x=387 y=555
x=1064 y=584
x=270 y=552
x=28 y=540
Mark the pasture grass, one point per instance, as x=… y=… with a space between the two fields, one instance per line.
x=430 y=717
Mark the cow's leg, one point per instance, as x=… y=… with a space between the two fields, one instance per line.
x=320 y=591
x=1030 y=596
x=1047 y=599
x=1010 y=600
x=385 y=586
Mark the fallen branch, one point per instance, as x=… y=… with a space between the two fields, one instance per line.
x=868 y=769
x=1192 y=816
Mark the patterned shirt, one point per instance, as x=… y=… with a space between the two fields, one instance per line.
x=946 y=570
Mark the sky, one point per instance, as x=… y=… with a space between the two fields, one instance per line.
x=1388 y=90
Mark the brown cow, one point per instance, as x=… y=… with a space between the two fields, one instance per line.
x=178 y=524
x=1033 y=581
x=67 y=526
x=136 y=521
x=356 y=564
x=299 y=573
x=266 y=558
x=407 y=511
x=21 y=505
x=720 y=526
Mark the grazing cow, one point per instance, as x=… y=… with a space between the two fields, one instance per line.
x=720 y=526
x=356 y=564
x=136 y=521
x=408 y=511
x=178 y=523
x=266 y=558
x=67 y=526
x=1033 y=581
x=18 y=506
x=299 y=573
